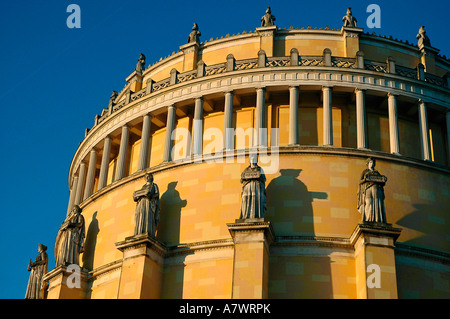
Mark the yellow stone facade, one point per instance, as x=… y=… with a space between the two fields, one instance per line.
x=310 y=243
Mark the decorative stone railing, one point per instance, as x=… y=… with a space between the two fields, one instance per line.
x=273 y=62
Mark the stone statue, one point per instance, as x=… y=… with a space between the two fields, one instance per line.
x=423 y=38
x=371 y=194
x=349 y=20
x=140 y=66
x=253 y=202
x=194 y=36
x=268 y=19
x=38 y=269
x=70 y=239
x=113 y=97
x=147 y=208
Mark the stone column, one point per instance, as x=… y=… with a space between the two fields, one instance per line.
x=327 y=117
x=105 y=163
x=361 y=128
x=293 y=115
x=424 y=136
x=260 y=138
x=198 y=127
x=170 y=124
x=88 y=189
x=252 y=239
x=80 y=184
x=142 y=267
x=375 y=260
x=73 y=192
x=228 y=140
x=123 y=150
x=143 y=154
x=447 y=118
x=393 y=124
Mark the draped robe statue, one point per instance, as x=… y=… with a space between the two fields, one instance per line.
x=253 y=201
x=147 y=208
x=70 y=239
x=37 y=269
x=371 y=194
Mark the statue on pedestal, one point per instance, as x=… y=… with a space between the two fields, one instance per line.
x=423 y=38
x=268 y=19
x=371 y=194
x=349 y=20
x=253 y=203
x=194 y=36
x=147 y=208
x=140 y=66
x=70 y=239
x=38 y=269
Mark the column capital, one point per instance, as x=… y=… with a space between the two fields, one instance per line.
x=360 y=90
x=389 y=94
x=421 y=101
x=328 y=87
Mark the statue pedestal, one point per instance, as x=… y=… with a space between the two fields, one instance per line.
x=252 y=238
x=66 y=282
x=190 y=51
x=375 y=260
x=142 y=267
x=267 y=36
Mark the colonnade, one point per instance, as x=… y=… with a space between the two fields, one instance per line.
x=83 y=181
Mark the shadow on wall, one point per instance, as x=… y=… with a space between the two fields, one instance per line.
x=290 y=209
x=171 y=203
x=430 y=222
x=168 y=232
x=422 y=282
x=90 y=243
x=289 y=204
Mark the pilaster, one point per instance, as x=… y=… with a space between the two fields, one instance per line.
x=428 y=58
x=351 y=40
x=142 y=267
x=66 y=283
x=190 y=51
x=267 y=36
x=135 y=80
x=374 y=245
x=252 y=239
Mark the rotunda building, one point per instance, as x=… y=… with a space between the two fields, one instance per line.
x=310 y=106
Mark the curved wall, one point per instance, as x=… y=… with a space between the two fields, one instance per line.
x=311 y=183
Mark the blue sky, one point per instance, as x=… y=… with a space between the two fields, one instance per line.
x=54 y=80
